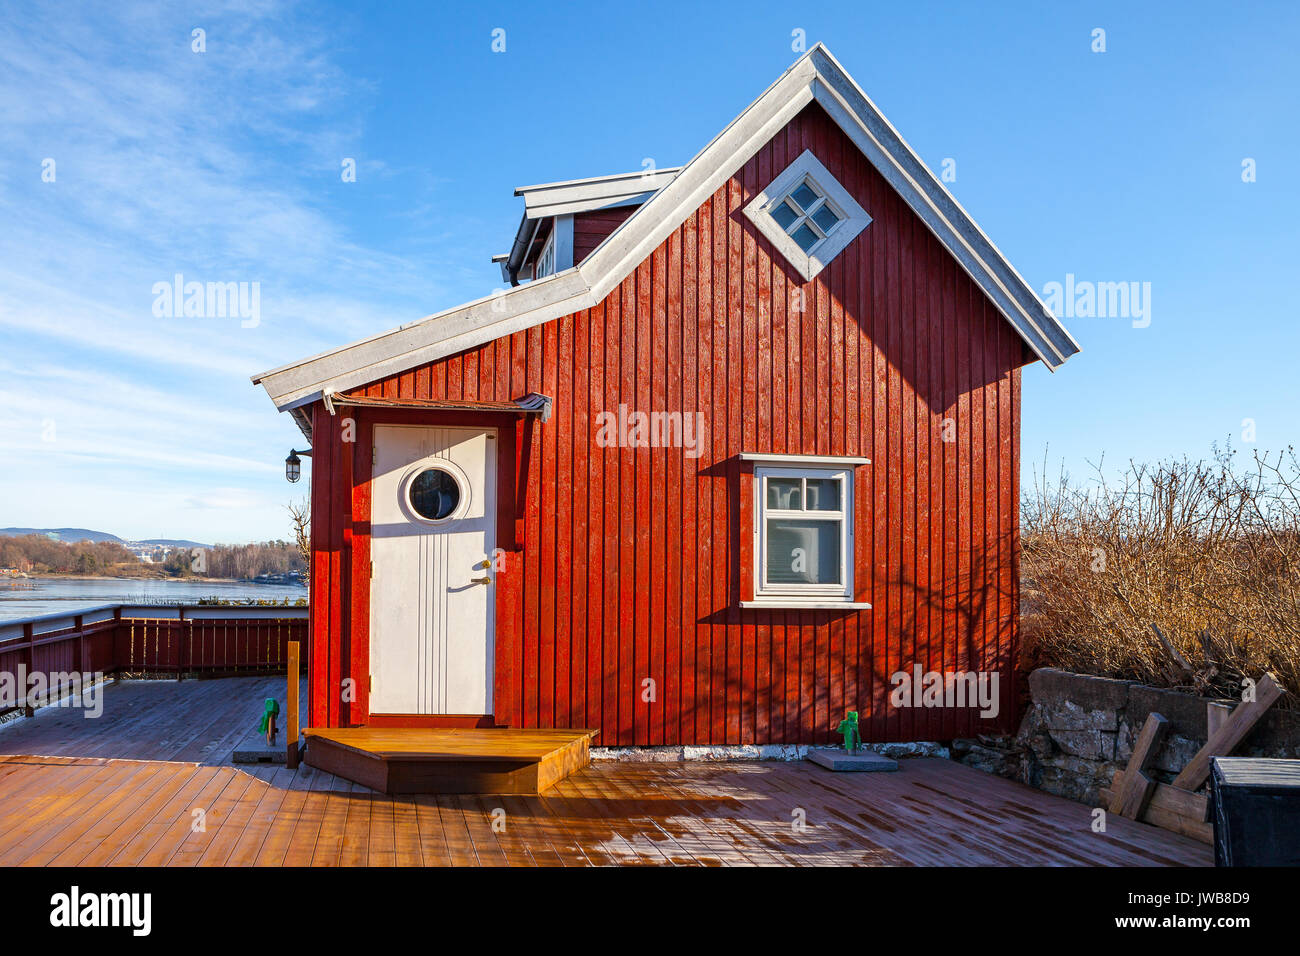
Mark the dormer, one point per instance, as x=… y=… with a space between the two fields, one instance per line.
x=564 y=222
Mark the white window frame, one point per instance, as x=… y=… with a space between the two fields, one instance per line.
x=837 y=595
x=558 y=249
x=544 y=267
x=853 y=218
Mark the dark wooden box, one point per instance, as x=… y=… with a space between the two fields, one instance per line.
x=1255 y=806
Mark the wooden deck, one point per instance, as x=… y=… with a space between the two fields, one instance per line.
x=122 y=790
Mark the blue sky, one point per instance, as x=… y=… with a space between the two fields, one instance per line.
x=1122 y=166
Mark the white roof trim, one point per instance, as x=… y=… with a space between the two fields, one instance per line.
x=814 y=76
x=853 y=218
x=598 y=192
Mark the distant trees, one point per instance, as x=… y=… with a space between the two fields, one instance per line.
x=37 y=554
x=252 y=560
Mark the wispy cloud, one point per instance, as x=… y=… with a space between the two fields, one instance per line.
x=222 y=166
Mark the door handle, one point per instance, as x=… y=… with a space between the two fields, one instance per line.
x=482 y=580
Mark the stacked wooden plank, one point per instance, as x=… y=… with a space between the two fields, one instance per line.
x=1177 y=806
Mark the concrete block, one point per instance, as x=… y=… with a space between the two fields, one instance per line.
x=1048 y=684
x=253 y=749
x=864 y=761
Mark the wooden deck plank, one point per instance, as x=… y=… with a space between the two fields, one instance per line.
x=433 y=837
x=592 y=823
x=478 y=821
x=275 y=846
x=526 y=816
x=660 y=826
x=735 y=834
x=192 y=848
x=30 y=788
x=65 y=812
x=144 y=805
x=356 y=831
x=568 y=813
x=594 y=786
x=329 y=839
x=382 y=845
x=120 y=823
x=840 y=844
x=460 y=846
x=196 y=779
x=178 y=831
x=406 y=833
x=253 y=833
x=888 y=814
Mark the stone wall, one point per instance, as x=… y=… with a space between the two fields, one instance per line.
x=1079 y=730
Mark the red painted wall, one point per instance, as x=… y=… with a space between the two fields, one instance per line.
x=630 y=563
x=591 y=228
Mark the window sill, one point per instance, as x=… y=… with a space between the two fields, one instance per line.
x=783 y=605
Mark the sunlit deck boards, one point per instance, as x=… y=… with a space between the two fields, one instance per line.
x=449 y=760
x=93 y=811
x=200 y=720
x=76 y=804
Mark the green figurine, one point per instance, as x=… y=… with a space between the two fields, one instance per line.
x=849 y=728
x=267 y=724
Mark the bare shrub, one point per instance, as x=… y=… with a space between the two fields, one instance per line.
x=1182 y=574
x=300 y=517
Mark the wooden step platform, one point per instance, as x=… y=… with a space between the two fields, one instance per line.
x=460 y=760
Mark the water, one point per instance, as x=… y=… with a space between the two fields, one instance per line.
x=25 y=597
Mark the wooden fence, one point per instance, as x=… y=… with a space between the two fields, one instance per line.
x=183 y=640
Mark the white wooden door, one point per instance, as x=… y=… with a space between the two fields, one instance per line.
x=433 y=529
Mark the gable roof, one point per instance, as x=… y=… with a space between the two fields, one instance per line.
x=814 y=77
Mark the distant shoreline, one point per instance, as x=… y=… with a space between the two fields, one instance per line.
x=194 y=579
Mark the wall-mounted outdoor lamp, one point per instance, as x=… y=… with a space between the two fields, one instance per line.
x=293 y=464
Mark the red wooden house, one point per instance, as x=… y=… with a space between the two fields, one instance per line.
x=737 y=448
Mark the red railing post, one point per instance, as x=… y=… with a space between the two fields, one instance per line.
x=29 y=652
x=180 y=639
x=117 y=631
x=78 y=648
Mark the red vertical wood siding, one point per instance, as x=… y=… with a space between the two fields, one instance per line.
x=629 y=564
x=591 y=228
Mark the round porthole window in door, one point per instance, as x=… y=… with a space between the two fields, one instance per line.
x=434 y=493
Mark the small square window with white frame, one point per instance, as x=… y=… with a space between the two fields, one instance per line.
x=807 y=215
x=803 y=534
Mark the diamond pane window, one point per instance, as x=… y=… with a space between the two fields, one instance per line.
x=807 y=215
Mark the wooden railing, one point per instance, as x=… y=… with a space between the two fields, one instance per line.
x=151 y=639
